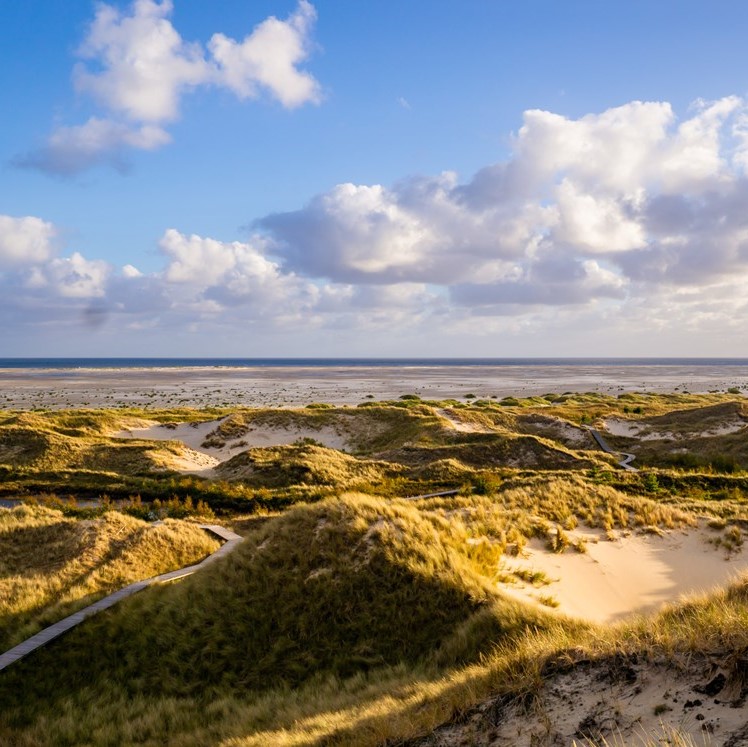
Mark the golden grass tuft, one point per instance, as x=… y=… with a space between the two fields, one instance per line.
x=51 y=565
x=306 y=464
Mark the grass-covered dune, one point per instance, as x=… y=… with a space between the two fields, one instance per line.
x=366 y=622
x=364 y=430
x=52 y=565
x=479 y=450
x=340 y=586
x=246 y=459
x=359 y=618
x=309 y=464
x=706 y=437
x=39 y=448
x=338 y=589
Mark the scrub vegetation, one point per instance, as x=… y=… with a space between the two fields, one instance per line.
x=354 y=611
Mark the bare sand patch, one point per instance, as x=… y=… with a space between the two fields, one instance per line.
x=635 y=573
x=201 y=459
x=640 y=431
x=726 y=429
x=459 y=425
x=623 y=428
x=645 y=432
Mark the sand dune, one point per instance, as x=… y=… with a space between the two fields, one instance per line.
x=635 y=573
x=201 y=459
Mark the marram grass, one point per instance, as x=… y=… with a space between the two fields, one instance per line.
x=51 y=565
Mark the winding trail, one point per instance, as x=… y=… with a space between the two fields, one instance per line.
x=627 y=458
x=23 y=649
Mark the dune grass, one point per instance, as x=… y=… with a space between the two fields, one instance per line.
x=303 y=464
x=356 y=620
x=354 y=588
x=52 y=565
x=389 y=704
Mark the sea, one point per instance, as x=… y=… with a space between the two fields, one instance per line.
x=123 y=363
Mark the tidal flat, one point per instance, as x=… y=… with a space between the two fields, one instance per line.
x=298 y=385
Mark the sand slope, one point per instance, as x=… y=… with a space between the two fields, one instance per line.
x=620 y=701
x=635 y=573
x=201 y=459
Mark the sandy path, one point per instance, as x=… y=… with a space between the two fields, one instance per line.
x=637 y=573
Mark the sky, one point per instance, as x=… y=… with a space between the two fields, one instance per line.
x=434 y=178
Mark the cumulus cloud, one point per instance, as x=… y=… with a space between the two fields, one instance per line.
x=229 y=273
x=267 y=59
x=142 y=64
x=137 y=66
x=595 y=208
x=25 y=241
x=71 y=277
x=618 y=220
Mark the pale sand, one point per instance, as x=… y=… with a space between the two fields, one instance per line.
x=299 y=385
x=636 y=573
x=639 y=704
x=199 y=459
x=461 y=426
x=644 y=432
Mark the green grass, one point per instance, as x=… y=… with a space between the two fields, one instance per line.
x=386 y=705
x=52 y=565
x=353 y=619
x=304 y=464
x=344 y=588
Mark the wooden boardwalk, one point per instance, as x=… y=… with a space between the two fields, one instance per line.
x=231 y=540
x=627 y=458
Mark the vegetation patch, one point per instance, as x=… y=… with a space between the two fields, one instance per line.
x=52 y=565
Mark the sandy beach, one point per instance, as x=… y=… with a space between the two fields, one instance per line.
x=288 y=386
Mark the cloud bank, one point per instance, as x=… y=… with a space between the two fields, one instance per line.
x=629 y=218
x=138 y=68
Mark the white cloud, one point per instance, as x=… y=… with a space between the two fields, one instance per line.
x=75 y=277
x=268 y=58
x=203 y=262
x=145 y=65
x=595 y=223
x=661 y=200
x=70 y=150
x=593 y=228
x=215 y=274
x=138 y=67
x=130 y=272
x=25 y=241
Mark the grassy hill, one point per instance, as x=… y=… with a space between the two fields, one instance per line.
x=361 y=618
x=51 y=565
x=326 y=592
x=305 y=464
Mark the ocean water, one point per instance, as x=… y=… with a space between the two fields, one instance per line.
x=322 y=363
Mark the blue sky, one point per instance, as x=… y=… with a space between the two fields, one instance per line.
x=373 y=178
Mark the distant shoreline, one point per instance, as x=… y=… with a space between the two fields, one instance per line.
x=82 y=363
x=298 y=385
